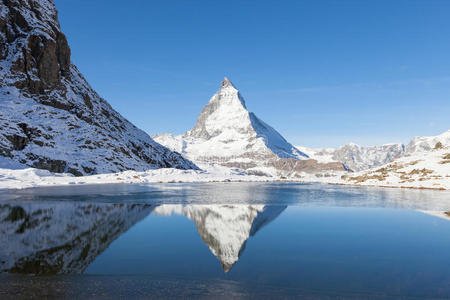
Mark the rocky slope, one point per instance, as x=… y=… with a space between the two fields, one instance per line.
x=226 y=133
x=50 y=117
x=225 y=228
x=61 y=238
x=425 y=163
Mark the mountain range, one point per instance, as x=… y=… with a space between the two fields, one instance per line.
x=359 y=158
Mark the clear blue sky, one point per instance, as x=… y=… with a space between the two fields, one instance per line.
x=323 y=73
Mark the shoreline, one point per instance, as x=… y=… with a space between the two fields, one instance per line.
x=114 y=178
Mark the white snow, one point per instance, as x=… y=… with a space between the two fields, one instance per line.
x=227 y=132
x=437 y=213
x=426 y=143
x=31 y=177
x=322 y=155
x=356 y=157
x=422 y=169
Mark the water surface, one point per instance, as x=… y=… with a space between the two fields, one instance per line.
x=247 y=240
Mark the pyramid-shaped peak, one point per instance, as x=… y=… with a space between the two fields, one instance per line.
x=226 y=83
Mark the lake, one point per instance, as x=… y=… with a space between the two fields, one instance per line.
x=222 y=240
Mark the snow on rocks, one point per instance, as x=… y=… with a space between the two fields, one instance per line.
x=227 y=134
x=423 y=169
x=356 y=157
x=50 y=117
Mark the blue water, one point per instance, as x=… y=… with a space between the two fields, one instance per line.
x=295 y=239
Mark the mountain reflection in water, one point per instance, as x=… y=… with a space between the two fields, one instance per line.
x=65 y=237
x=225 y=228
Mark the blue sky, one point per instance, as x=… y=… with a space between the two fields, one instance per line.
x=323 y=73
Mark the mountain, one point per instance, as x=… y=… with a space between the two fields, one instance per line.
x=226 y=133
x=356 y=157
x=225 y=228
x=359 y=158
x=427 y=143
x=61 y=237
x=425 y=163
x=50 y=118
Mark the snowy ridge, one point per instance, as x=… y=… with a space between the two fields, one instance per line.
x=359 y=158
x=427 y=143
x=356 y=157
x=225 y=228
x=50 y=118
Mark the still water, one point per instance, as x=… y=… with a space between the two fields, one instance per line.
x=242 y=240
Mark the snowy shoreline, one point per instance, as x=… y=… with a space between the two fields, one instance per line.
x=18 y=179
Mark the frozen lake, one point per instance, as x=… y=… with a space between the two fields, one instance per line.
x=248 y=240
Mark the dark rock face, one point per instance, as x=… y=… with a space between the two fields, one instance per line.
x=48 y=111
x=45 y=56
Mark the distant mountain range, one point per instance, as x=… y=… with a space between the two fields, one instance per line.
x=424 y=163
x=359 y=158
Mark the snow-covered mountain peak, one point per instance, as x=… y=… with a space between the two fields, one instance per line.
x=226 y=133
x=230 y=130
x=226 y=83
x=225 y=114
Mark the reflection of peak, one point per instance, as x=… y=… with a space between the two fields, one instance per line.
x=225 y=228
x=269 y=214
x=61 y=238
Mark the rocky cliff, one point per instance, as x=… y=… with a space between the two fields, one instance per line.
x=50 y=117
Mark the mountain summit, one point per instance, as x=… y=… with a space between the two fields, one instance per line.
x=226 y=121
x=226 y=83
x=50 y=117
x=227 y=133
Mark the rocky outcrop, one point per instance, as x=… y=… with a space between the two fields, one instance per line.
x=50 y=117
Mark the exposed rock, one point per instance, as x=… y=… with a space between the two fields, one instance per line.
x=47 y=108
